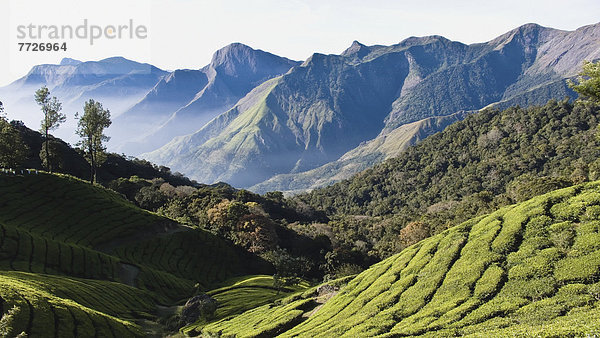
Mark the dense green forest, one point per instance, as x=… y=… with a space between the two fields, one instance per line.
x=259 y=224
x=491 y=159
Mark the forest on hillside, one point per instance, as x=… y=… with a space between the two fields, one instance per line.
x=491 y=159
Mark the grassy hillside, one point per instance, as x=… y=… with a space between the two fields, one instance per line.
x=277 y=317
x=83 y=260
x=527 y=269
x=71 y=307
x=42 y=305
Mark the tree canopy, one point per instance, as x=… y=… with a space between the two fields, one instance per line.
x=51 y=108
x=588 y=81
x=12 y=149
x=90 y=128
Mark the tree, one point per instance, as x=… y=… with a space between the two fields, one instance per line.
x=414 y=232
x=90 y=128
x=13 y=150
x=197 y=307
x=51 y=108
x=288 y=268
x=56 y=160
x=588 y=81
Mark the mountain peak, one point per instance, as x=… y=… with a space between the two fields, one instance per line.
x=530 y=34
x=236 y=46
x=357 y=49
x=422 y=40
x=69 y=62
x=530 y=29
x=234 y=50
x=240 y=60
x=356 y=45
x=529 y=26
x=117 y=59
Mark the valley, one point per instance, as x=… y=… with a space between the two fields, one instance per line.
x=428 y=188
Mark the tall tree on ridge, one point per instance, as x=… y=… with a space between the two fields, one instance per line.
x=90 y=128
x=51 y=108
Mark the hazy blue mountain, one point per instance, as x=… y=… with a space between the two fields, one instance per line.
x=186 y=100
x=329 y=105
x=117 y=82
x=169 y=94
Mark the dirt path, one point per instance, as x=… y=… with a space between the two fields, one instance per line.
x=321 y=300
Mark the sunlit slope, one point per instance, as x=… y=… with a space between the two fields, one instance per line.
x=240 y=295
x=527 y=269
x=59 y=306
x=271 y=319
x=535 y=264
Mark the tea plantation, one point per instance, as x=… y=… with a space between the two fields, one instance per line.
x=531 y=269
x=242 y=294
x=80 y=260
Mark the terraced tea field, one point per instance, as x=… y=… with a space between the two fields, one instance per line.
x=191 y=255
x=242 y=294
x=529 y=269
x=84 y=261
x=68 y=307
x=69 y=210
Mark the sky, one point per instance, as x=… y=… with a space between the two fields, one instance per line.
x=185 y=33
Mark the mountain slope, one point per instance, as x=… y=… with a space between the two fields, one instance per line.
x=360 y=158
x=186 y=100
x=173 y=91
x=488 y=160
x=273 y=138
x=332 y=103
x=527 y=269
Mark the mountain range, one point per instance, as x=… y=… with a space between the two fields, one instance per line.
x=264 y=122
x=332 y=104
x=116 y=82
x=185 y=100
x=479 y=221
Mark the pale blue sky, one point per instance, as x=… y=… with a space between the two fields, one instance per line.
x=185 y=33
